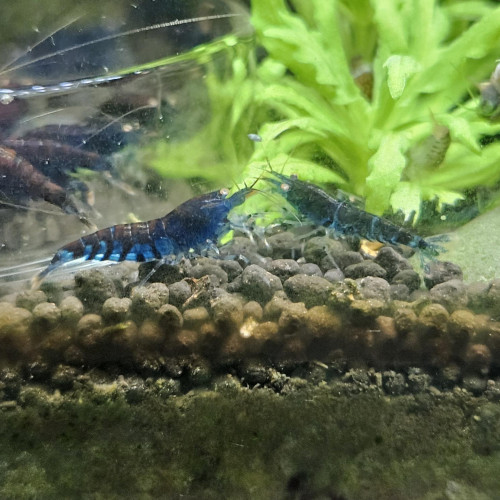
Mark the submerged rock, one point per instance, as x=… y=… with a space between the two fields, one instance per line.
x=312 y=290
x=438 y=271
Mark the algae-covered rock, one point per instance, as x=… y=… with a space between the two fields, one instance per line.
x=115 y=310
x=93 y=288
x=319 y=247
x=438 y=271
x=146 y=300
x=179 y=292
x=452 y=294
x=46 y=316
x=312 y=290
x=71 y=310
x=259 y=284
x=28 y=299
x=363 y=269
x=372 y=287
x=15 y=338
x=391 y=261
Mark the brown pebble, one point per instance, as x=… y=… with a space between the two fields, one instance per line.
x=253 y=310
x=387 y=327
x=28 y=299
x=462 y=328
x=274 y=308
x=405 y=320
x=187 y=341
x=322 y=322
x=227 y=313
x=293 y=319
x=364 y=311
x=15 y=340
x=193 y=318
x=478 y=358
x=264 y=339
x=124 y=338
x=90 y=330
x=151 y=335
x=115 y=310
x=71 y=310
x=433 y=318
x=46 y=316
x=170 y=318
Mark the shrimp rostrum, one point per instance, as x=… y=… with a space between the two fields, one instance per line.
x=344 y=218
x=191 y=228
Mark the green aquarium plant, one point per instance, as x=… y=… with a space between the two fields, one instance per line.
x=379 y=97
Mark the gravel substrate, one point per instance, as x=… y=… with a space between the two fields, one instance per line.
x=282 y=304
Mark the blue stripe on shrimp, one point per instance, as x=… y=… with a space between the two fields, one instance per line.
x=194 y=225
x=343 y=217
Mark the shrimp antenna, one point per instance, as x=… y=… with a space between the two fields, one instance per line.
x=6 y=66
x=152 y=27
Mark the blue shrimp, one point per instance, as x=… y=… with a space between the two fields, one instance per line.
x=343 y=217
x=192 y=227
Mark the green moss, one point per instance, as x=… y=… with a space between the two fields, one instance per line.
x=246 y=444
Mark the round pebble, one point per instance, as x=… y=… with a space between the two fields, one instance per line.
x=319 y=247
x=311 y=269
x=283 y=268
x=146 y=300
x=374 y=288
x=28 y=299
x=170 y=318
x=334 y=275
x=392 y=261
x=437 y=272
x=115 y=310
x=200 y=270
x=93 y=288
x=195 y=317
x=452 y=294
x=285 y=245
x=363 y=269
x=179 y=292
x=227 y=313
x=312 y=290
x=253 y=310
x=407 y=277
x=45 y=316
x=259 y=284
x=71 y=310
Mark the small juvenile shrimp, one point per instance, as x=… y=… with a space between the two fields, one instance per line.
x=343 y=217
x=194 y=226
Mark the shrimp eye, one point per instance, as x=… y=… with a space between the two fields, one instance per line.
x=294 y=177
x=285 y=187
x=224 y=192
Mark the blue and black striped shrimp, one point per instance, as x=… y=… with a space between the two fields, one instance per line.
x=191 y=228
x=343 y=217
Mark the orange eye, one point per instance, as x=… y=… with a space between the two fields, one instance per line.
x=224 y=192
x=285 y=187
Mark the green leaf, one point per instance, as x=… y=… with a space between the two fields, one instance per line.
x=461 y=131
x=399 y=69
x=407 y=198
x=391 y=27
x=385 y=167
